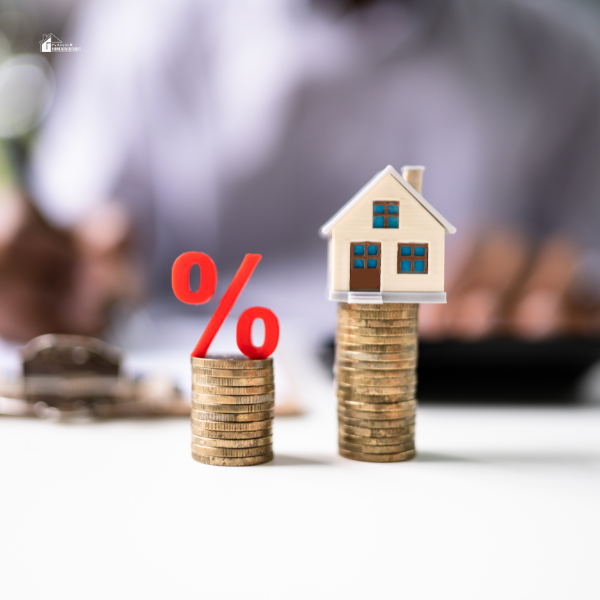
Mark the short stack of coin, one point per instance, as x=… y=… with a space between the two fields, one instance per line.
x=376 y=359
x=233 y=401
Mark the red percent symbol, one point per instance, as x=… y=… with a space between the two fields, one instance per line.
x=180 y=280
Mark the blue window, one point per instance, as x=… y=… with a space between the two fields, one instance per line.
x=413 y=258
x=371 y=250
x=382 y=212
x=359 y=250
x=359 y=263
x=372 y=263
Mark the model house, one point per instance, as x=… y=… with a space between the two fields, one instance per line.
x=387 y=243
x=48 y=39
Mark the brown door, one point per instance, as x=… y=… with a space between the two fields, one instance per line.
x=365 y=266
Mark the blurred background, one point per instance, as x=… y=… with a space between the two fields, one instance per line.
x=230 y=127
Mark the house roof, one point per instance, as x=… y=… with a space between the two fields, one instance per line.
x=389 y=170
x=50 y=35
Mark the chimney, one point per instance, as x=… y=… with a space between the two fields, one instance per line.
x=414 y=176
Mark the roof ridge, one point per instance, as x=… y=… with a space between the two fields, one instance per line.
x=389 y=170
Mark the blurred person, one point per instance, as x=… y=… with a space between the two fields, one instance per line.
x=231 y=126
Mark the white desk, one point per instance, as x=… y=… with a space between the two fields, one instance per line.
x=500 y=503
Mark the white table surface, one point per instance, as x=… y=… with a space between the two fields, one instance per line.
x=500 y=503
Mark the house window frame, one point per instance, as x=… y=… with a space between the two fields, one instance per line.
x=412 y=258
x=385 y=215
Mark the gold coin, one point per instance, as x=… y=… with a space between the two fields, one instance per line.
x=370 y=372
x=232 y=417
x=380 y=308
x=400 y=456
x=347 y=321
x=362 y=318
x=371 y=315
x=376 y=449
x=384 y=401
x=369 y=429
x=351 y=389
x=236 y=373
x=408 y=350
x=232 y=381
x=374 y=395
x=233 y=408
x=378 y=406
x=376 y=340
x=218 y=426
x=356 y=322
x=369 y=366
x=377 y=331
x=377 y=441
x=384 y=385
x=372 y=390
x=230 y=435
x=400 y=333
x=232 y=391
x=373 y=373
x=409 y=375
x=374 y=423
x=222 y=461
x=389 y=415
x=232 y=452
x=345 y=395
x=407 y=309
x=369 y=432
x=230 y=361
x=394 y=379
x=404 y=349
x=374 y=432
x=217 y=443
x=375 y=357
x=378 y=386
x=405 y=342
x=232 y=400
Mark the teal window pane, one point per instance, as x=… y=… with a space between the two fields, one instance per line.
x=419 y=266
x=378 y=222
x=405 y=250
x=419 y=250
x=392 y=209
x=393 y=222
x=372 y=263
x=359 y=263
x=405 y=266
x=359 y=250
x=379 y=209
x=372 y=250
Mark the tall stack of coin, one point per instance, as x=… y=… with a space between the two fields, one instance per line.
x=233 y=401
x=376 y=358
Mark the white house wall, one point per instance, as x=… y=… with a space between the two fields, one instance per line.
x=330 y=281
x=416 y=224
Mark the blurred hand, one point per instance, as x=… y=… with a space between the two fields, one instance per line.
x=506 y=287
x=55 y=281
